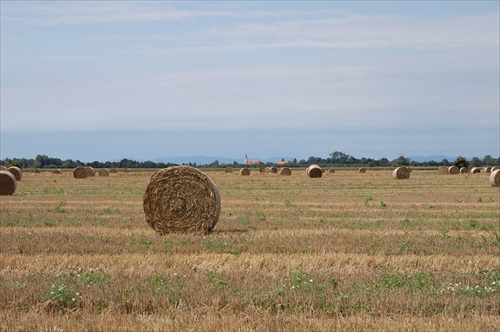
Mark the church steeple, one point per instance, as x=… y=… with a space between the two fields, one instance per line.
x=245 y=161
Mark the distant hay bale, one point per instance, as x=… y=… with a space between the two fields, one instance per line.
x=126 y=170
x=475 y=170
x=443 y=170
x=487 y=169
x=285 y=171
x=265 y=170
x=16 y=171
x=103 y=172
x=56 y=171
x=113 y=170
x=362 y=170
x=314 y=171
x=401 y=173
x=453 y=170
x=464 y=170
x=244 y=172
x=181 y=199
x=494 y=168
x=37 y=171
x=274 y=170
x=228 y=170
x=80 y=172
x=90 y=171
x=3 y=168
x=8 y=183
x=495 y=178
x=331 y=171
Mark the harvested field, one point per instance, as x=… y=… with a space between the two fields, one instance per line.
x=346 y=252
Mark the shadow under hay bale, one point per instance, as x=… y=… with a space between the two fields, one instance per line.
x=401 y=173
x=495 y=178
x=285 y=171
x=244 y=172
x=80 y=172
x=314 y=171
x=8 y=183
x=181 y=199
x=103 y=172
x=16 y=171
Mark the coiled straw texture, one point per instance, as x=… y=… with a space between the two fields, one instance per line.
x=181 y=199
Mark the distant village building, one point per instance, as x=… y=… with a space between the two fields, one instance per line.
x=282 y=162
x=250 y=162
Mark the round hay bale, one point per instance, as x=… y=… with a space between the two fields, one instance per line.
x=453 y=170
x=487 y=169
x=126 y=170
x=103 y=172
x=244 y=172
x=37 y=171
x=113 y=170
x=56 y=171
x=494 y=168
x=475 y=170
x=80 y=172
x=16 y=171
x=8 y=183
x=331 y=171
x=90 y=171
x=495 y=178
x=443 y=170
x=228 y=170
x=362 y=170
x=264 y=170
x=464 y=170
x=314 y=171
x=3 y=168
x=401 y=173
x=274 y=170
x=181 y=199
x=285 y=171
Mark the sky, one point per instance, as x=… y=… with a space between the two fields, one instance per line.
x=107 y=80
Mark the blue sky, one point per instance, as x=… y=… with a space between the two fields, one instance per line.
x=98 y=80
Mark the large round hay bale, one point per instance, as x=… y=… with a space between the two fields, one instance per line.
x=475 y=170
x=228 y=170
x=80 y=172
x=181 y=199
x=314 y=171
x=331 y=171
x=495 y=178
x=443 y=170
x=285 y=171
x=453 y=170
x=487 y=169
x=16 y=171
x=264 y=170
x=244 y=172
x=464 y=170
x=90 y=171
x=274 y=170
x=103 y=172
x=56 y=171
x=8 y=183
x=401 y=173
x=3 y=168
x=494 y=168
x=362 y=170
x=37 y=171
x=113 y=170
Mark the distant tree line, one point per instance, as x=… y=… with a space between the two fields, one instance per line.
x=335 y=159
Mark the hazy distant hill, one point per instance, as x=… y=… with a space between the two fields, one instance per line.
x=421 y=159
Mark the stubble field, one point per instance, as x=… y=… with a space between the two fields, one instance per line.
x=348 y=251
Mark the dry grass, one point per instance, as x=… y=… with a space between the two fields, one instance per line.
x=345 y=252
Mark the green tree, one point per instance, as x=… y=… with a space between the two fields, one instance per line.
x=460 y=162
